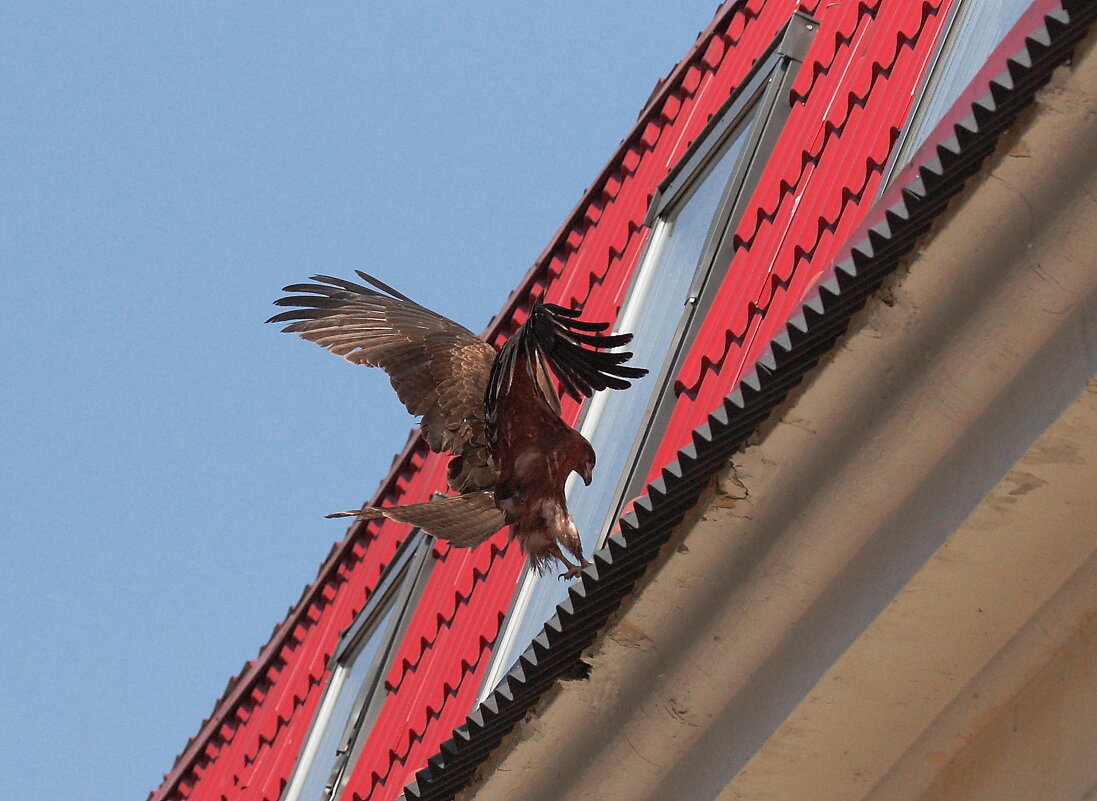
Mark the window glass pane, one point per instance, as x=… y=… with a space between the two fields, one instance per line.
x=351 y=677
x=661 y=309
x=354 y=695
x=613 y=420
x=976 y=30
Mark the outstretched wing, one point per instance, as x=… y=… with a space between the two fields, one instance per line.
x=462 y=520
x=438 y=368
x=573 y=349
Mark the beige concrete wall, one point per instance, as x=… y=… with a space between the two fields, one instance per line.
x=1042 y=744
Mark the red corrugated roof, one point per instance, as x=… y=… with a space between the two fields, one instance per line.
x=849 y=99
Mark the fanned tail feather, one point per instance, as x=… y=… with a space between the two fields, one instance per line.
x=462 y=520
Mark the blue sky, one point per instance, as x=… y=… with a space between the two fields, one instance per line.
x=167 y=168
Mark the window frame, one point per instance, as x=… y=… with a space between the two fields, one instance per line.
x=399 y=589
x=769 y=80
x=948 y=42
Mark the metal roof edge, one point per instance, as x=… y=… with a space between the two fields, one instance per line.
x=890 y=232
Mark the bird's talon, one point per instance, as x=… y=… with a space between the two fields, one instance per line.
x=573 y=572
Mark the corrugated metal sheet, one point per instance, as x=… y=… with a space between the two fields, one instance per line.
x=880 y=241
x=850 y=98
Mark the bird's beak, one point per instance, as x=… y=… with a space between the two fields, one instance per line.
x=587 y=474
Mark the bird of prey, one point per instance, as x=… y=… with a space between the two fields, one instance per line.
x=496 y=412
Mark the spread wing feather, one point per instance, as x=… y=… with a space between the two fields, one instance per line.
x=438 y=368
x=462 y=520
x=571 y=348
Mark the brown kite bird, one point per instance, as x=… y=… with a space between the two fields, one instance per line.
x=497 y=412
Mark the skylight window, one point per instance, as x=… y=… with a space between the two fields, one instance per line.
x=355 y=692
x=975 y=28
x=687 y=254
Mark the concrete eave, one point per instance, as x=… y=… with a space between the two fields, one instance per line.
x=911 y=541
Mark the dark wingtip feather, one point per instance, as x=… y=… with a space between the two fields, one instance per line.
x=378 y=284
x=574 y=351
x=562 y=311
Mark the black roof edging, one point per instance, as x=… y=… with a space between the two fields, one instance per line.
x=823 y=318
